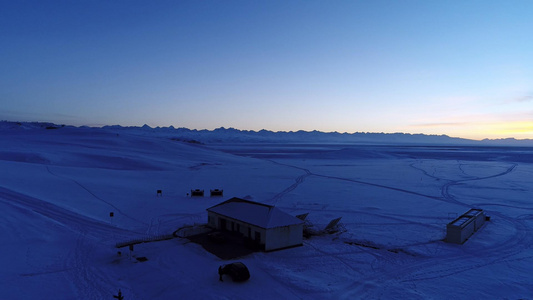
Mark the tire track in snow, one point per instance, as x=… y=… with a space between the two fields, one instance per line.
x=96 y=197
x=68 y=218
x=412 y=165
x=434 y=268
x=178 y=219
x=299 y=180
x=430 y=269
x=422 y=270
x=415 y=270
x=80 y=273
x=445 y=191
x=400 y=220
x=337 y=256
x=503 y=252
x=381 y=186
x=88 y=281
x=267 y=271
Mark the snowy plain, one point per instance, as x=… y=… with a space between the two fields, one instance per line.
x=58 y=187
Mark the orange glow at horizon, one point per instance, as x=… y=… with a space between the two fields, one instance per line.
x=514 y=129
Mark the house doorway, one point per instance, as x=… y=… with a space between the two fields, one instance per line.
x=222 y=223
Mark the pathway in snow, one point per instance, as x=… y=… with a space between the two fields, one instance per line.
x=299 y=180
x=115 y=208
x=446 y=188
x=390 y=276
x=68 y=218
x=90 y=282
x=173 y=221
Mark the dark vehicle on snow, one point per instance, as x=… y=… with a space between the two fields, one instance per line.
x=237 y=271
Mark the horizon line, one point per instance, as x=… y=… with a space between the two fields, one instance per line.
x=269 y=130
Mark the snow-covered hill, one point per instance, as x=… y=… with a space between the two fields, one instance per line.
x=59 y=184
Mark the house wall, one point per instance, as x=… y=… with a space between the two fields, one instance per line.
x=458 y=234
x=212 y=220
x=453 y=234
x=283 y=237
x=247 y=230
x=468 y=230
x=480 y=220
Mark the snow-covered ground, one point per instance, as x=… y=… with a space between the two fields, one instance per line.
x=58 y=187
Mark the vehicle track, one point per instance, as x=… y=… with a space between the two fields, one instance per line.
x=69 y=219
x=176 y=218
x=89 y=282
x=299 y=180
x=445 y=191
x=434 y=267
x=115 y=208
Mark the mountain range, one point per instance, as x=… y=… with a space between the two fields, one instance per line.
x=232 y=135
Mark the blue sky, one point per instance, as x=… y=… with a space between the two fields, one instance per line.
x=461 y=68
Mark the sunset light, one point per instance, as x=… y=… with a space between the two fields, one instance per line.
x=459 y=68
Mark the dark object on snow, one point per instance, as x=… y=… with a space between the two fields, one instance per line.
x=216 y=192
x=302 y=216
x=197 y=193
x=119 y=296
x=460 y=229
x=237 y=271
x=141 y=258
x=159 y=193
x=331 y=226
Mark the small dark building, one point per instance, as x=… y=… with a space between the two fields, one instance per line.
x=197 y=193
x=460 y=229
x=216 y=192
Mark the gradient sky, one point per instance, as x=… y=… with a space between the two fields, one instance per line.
x=461 y=68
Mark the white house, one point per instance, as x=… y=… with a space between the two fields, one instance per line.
x=460 y=229
x=268 y=226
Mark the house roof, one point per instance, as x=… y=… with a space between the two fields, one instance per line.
x=255 y=213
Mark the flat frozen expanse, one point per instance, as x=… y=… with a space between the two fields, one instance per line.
x=57 y=188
